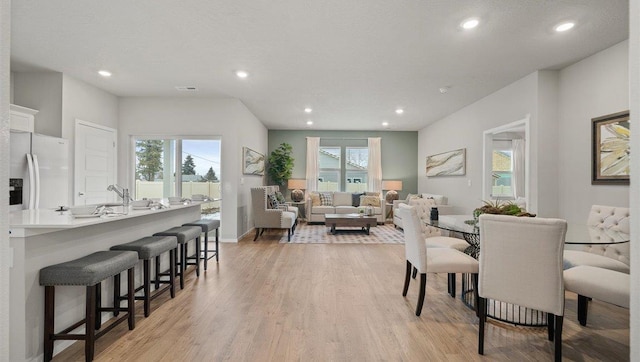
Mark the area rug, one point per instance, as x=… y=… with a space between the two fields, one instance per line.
x=319 y=234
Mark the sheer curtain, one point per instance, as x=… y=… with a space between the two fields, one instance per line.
x=375 y=165
x=517 y=177
x=313 y=150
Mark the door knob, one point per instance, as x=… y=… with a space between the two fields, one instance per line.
x=80 y=193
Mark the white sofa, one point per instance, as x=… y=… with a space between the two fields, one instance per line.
x=440 y=201
x=342 y=203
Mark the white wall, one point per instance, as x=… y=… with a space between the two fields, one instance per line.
x=593 y=87
x=463 y=129
x=5 y=91
x=41 y=91
x=634 y=73
x=227 y=118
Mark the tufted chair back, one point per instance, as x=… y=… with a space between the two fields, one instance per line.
x=610 y=218
x=423 y=210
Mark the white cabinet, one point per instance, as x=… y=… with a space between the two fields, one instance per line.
x=22 y=118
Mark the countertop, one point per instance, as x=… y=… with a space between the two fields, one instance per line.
x=57 y=220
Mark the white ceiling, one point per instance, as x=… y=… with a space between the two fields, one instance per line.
x=353 y=61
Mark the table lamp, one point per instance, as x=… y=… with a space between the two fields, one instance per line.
x=392 y=187
x=297 y=185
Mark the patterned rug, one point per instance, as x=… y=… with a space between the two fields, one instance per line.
x=319 y=234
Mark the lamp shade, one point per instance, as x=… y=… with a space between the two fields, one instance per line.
x=392 y=185
x=296 y=184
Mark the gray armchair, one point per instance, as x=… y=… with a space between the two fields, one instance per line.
x=265 y=218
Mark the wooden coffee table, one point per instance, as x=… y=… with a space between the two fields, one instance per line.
x=349 y=220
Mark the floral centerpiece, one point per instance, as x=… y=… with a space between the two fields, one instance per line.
x=500 y=208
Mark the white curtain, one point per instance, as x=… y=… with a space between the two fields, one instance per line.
x=375 y=165
x=313 y=150
x=517 y=177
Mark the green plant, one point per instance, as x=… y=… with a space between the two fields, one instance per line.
x=500 y=208
x=281 y=164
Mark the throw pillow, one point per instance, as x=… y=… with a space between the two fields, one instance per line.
x=413 y=196
x=326 y=199
x=355 y=199
x=370 y=193
x=370 y=201
x=315 y=199
x=272 y=202
x=280 y=197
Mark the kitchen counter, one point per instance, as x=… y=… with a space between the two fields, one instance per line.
x=40 y=238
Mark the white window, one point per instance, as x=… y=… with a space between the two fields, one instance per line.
x=343 y=168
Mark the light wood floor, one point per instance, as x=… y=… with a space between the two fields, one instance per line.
x=266 y=301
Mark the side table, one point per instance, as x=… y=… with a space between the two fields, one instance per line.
x=389 y=210
x=301 y=205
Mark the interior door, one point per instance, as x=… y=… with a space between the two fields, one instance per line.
x=95 y=163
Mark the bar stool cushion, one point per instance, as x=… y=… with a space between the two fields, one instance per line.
x=205 y=224
x=89 y=270
x=183 y=233
x=150 y=246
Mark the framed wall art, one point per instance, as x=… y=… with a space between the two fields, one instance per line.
x=252 y=162
x=450 y=163
x=610 y=149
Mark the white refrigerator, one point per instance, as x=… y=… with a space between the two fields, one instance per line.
x=42 y=162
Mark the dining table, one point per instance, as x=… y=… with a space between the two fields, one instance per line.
x=467 y=227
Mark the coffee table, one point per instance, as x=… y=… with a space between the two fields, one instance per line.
x=349 y=220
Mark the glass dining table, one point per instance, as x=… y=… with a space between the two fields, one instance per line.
x=468 y=229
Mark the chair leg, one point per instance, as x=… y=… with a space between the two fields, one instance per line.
x=98 y=306
x=257 y=234
x=474 y=280
x=157 y=260
x=198 y=251
x=423 y=286
x=288 y=234
x=583 y=308
x=131 y=298
x=407 y=279
x=146 y=286
x=415 y=272
x=206 y=249
x=558 y=338
x=181 y=269
x=551 y=325
x=452 y=285
x=483 y=318
x=90 y=322
x=49 y=307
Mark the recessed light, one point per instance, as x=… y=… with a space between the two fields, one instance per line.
x=308 y=110
x=470 y=23
x=104 y=73
x=309 y=123
x=399 y=111
x=443 y=90
x=564 y=27
x=242 y=74
x=385 y=124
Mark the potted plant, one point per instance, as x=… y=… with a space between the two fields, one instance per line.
x=281 y=164
x=500 y=208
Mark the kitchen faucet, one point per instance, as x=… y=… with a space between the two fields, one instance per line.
x=122 y=192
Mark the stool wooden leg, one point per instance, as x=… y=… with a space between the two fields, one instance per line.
x=131 y=290
x=90 y=322
x=206 y=249
x=183 y=253
x=198 y=251
x=217 y=249
x=49 y=307
x=116 y=295
x=172 y=272
x=98 y=305
x=146 y=285
x=157 y=272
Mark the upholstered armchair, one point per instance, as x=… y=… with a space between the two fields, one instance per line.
x=266 y=218
x=611 y=256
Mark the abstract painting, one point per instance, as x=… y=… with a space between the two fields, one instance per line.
x=252 y=161
x=610 y=149
x=450 y=163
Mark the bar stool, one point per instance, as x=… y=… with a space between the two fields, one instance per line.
x=207 y=225
x=151 y=247
x=89 y=271
x=184 y=235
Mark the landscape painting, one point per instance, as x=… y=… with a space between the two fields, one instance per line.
x=450 y=163
x=253 y=162
x=610 y=149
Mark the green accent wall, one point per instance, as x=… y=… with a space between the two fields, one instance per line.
x=399 y=151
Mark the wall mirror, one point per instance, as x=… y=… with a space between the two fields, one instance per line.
x=505 y=165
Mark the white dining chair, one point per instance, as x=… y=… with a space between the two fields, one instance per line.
x=521 y=264
x=429 y=260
